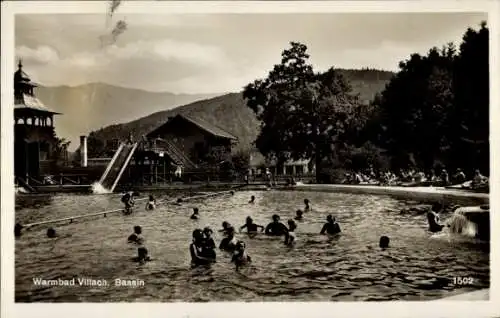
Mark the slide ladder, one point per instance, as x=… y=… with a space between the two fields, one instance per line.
x=117 y=166
x=177 y=155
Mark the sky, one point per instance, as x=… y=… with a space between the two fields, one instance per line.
x=218 y=53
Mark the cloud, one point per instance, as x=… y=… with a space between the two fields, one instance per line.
x=144 y=62
x=40 y=55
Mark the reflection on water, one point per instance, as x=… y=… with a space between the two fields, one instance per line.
x=417 y=266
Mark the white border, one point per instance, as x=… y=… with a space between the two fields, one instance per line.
x=351 y=309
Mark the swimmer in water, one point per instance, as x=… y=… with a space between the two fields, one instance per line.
x=195 y=215
x=384 y=242
x=18 y=228
x=142 y=255
x=128 y=200
x=151 y=205
x=228 y=243
x=307 y=208
x=208 y=243
x=136 y=237
x=290 y=238
x=252 y=199
x=252 y=228
x=226 y=226
x=331 y=226
x=197 y=250
x=240 y=256
x=51 y=233
x=276 y=228
x=433 y=219
x=299 y=215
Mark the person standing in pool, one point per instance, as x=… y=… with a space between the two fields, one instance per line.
x=252 y=228
x=290 y=238
x=128 y=200
x=209 y=243
x=276 y=228
x=433 y=220
x=226 y=226
x=151 y=205
x=331 y=226
x=240 y=256
x=228 y=243
x=195 y=215
x=196 y=250
x=307 y=208
x=136 y=237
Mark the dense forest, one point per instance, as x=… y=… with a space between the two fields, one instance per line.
x=433 y=114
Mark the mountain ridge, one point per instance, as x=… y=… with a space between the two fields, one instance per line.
x=229 y=111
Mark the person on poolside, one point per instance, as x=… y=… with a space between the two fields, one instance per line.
x=136 y=237
x=307 y=208
x=459 y=177
x=276 y=228
x=240 y=256
x=290 y=238
x=195 y=215
x=197 y=249
x=229 y=242
x=151 y=205
x=299 y=214
x=226 y=226
x=252 y=228
x=331 y=226
x=478 y=180
x=445 y=179
x=252 y=199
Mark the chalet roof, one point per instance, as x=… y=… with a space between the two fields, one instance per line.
x=32 y=103
x=212 y=129
x=202 y=124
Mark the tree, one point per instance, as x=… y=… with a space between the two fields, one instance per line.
x=304 y=115
x=241 y=161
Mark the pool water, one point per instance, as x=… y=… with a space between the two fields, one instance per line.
x=349 y=267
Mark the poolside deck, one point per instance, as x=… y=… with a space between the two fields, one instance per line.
x=424 y=194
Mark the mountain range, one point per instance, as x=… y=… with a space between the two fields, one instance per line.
x=89 y=107
x=110 y=112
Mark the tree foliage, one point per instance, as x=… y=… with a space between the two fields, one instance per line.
x=436 y=108
x=303 y=114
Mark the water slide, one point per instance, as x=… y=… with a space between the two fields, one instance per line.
x=117 y=166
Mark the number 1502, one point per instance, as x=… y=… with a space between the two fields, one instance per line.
x=463 y=280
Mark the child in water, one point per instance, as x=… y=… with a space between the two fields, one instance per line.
x=290 y=238
x=240 y=256
x=142 y=255
x=331 y=226
x=228 y=243
x=199 y=256
x=252 y=199
x=307 y=208
x=195 y=214
x=136 y=237
x=151 y=205
x=226 y=226
x=128 y=200
x=252 y=228
x=299 y=215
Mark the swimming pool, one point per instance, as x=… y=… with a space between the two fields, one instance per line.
x=351 y=267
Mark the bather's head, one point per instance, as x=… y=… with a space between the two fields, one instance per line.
x=384 y=242
x=137 y=229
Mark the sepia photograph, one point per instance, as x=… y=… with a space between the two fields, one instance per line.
x=190 y=157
